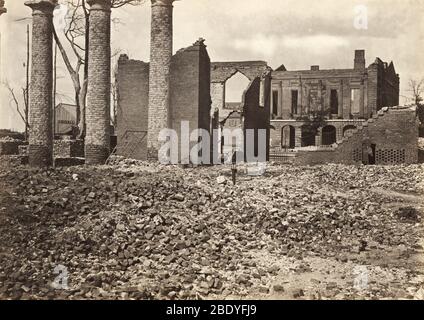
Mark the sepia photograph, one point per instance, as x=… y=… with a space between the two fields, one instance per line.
x=225 y=151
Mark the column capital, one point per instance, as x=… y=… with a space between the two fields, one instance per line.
x=2 y=8
x=162 y=3
x=104 y=5
x=42 y=6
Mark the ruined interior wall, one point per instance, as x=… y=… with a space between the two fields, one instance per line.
x=256 y=109
x=132 y=113
x=222 y=71
x=190 y=89
x=205 y=101
x=217 y=95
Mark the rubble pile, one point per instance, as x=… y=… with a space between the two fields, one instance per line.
x=138 y=230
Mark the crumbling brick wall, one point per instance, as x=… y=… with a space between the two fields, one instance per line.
x=132 y=113
x=190 y=89
x=189 y=96
x=68 y=148
x=395 y=134
x=393 y=131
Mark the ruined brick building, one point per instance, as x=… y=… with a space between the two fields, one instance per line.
x=173 y=89
x=344 y=96
x=310 y=116
x=317 y=110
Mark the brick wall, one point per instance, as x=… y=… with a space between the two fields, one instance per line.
x=190 y=89
x=68 y=148
x=133 y=105
x=189 y=95
x=395 y=135
x=97 y=140
x=393 y=131
x=40 y=104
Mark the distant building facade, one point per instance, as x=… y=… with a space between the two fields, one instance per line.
x=343 y=98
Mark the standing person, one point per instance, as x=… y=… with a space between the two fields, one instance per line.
x=366 y=151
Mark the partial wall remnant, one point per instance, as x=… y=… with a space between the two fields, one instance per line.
x=390 y=137
x=40 y=104
x=97 y=141
x=68 y=148
x=189 y=98
x=190 y=90
x=160 y=69
x=133 y=103
x=222 y=71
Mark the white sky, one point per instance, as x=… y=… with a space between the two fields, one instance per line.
x=296 y=33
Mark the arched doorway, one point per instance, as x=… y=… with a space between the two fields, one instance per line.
x=308 y=134
x=347 y=129
x=288 y=137
x=329 y=135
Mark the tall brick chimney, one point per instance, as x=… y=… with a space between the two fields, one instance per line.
x=159 y=77
x=97 y=138
x=40 y=149
x=2 y=8
x=359 y=60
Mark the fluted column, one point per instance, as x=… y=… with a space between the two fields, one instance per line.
x=97 y=139
x=160 y=67
x=40 y=148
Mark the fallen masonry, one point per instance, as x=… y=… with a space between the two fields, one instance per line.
x=142 y=231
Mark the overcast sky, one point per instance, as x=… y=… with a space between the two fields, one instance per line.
x=296 y=33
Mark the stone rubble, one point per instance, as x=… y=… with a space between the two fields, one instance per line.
x=142 y=231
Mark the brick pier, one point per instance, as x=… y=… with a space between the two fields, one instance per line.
x=160 y=69
x=97 y=141
x=40 y=102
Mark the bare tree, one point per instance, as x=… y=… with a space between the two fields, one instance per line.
x=416 y=89
x=76 y=34
x=23 y=113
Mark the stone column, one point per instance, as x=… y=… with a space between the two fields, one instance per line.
x=40 y=149
x=97 y=139
x=160 y=68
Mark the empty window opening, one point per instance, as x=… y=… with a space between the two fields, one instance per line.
x=294 y=101
x=355 y=98
x=275 y=102
x=308 y=134
x=234 y=89
x=329 y=135
x=334 y=102
x=288 y=136
x=348 y=129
